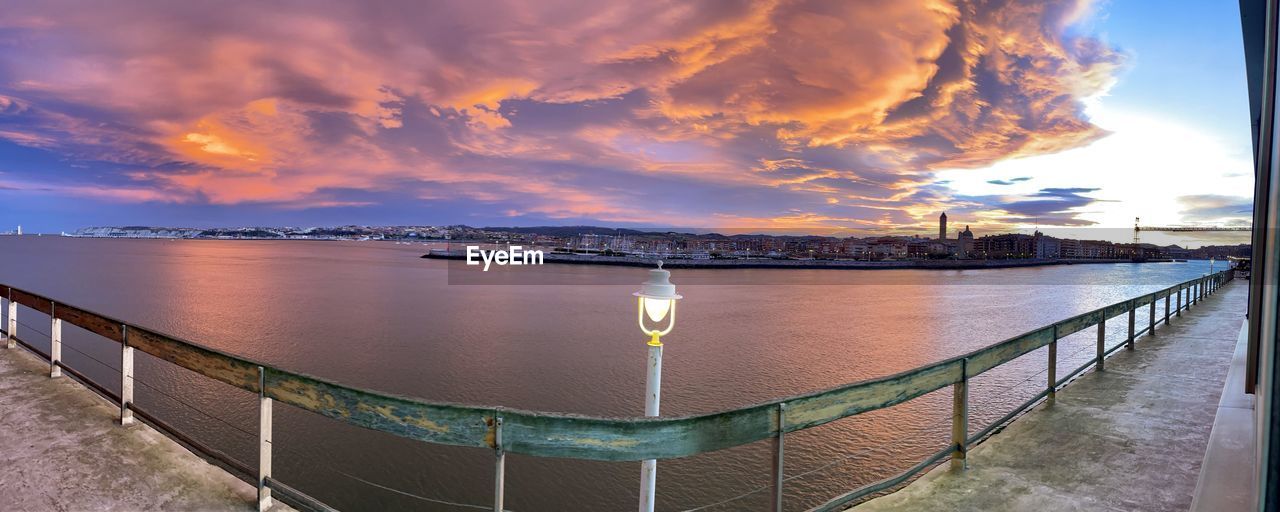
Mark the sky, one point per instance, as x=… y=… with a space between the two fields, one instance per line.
x=794 y=115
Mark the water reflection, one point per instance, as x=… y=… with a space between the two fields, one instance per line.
x=375 y=315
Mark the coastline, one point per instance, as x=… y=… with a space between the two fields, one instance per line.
x=589 y=259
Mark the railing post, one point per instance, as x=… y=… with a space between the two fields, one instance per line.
x=55 y=342
x=960 y=418
x=1151 y=322
x=264 y=442
x=126 y=378
x=777 y=458
x=1102 y=340
x=1053 y=365
x=1133 y=311
x=11 y=328
x=13 y=321
x=1177 y=310
x=1166 y=306
x=499 y=466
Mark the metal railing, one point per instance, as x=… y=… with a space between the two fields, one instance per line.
x=503 y=430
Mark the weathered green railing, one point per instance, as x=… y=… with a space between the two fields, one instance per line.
x=583 y=437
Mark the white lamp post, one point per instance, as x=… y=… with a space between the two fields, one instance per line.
x=657 y=300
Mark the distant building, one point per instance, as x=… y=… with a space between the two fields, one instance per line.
x=1097 y=249
x=1070 y=248
x=1012 y=245
x=942 y=227
x=1046 y=247
x=964 y=243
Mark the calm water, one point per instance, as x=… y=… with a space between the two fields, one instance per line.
x=375 y=315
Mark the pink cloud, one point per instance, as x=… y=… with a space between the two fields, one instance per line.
x=835 y=107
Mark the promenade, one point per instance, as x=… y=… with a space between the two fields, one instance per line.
x=1130 y=438
x=61 y=449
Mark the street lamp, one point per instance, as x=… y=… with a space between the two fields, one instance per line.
x=657 y=300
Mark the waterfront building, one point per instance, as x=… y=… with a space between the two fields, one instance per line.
x=1097 y=249
x=964 y=243
x=942 y=226
x=1070 y=248
x=887 y=247
x=1046 y=247
x=1006 y=246
x=854 y=248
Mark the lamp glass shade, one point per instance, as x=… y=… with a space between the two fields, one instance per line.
x=657 y=309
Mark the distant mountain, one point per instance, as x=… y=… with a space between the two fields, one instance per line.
x=570 y=230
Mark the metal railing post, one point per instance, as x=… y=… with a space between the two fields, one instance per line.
x=499 y=466
x=55 y=342
x=1053 y=365
x=960 y=418
x=1151 y=322
x=1102 y=341
x=13 y=321
x=264 y=442
x=126 y=378
x=777 y=458
x=1177 y=310
x=1166 y=306
x=1133 y=311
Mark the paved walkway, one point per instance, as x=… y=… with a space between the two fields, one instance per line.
x=1128 y=438
x=60 y=450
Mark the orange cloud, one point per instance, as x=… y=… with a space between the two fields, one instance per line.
x=567 y=110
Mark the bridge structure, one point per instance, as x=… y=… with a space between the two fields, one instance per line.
x=1191 y=228
x=1138 y=228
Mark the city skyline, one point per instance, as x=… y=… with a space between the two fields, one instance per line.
x=804 y=116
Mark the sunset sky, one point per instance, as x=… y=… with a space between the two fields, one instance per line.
x=797 y=115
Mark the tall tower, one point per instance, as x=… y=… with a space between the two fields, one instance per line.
x=942 y=226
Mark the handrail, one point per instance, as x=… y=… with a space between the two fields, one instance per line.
x=589 y=437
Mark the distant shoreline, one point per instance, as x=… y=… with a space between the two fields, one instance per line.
x=587 y=259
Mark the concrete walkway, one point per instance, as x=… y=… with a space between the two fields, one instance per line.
x=60 y=450
x=1128 y=438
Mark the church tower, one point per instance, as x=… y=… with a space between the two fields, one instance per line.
x=964 y=243
x=942 y=226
